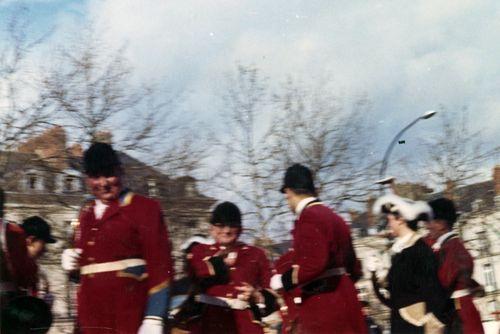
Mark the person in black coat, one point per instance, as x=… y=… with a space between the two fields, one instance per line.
x=417 y=301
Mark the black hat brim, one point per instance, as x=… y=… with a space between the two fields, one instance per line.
x=50 y=240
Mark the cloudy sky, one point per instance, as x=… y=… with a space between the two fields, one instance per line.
x=406 y=56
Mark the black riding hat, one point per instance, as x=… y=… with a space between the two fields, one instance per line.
x=298 y=178
x=226 y=214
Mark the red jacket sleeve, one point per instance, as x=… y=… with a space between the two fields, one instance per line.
x=156 y=249
x=203 y=266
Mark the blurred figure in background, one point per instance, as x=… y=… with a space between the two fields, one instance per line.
x=373 y=328
x=21 y=246
x=455 y=267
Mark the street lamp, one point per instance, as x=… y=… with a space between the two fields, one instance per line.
x=426 y=115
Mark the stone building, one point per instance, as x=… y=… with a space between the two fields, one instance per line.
x=44 y=177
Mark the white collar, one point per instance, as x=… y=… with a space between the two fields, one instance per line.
x=439 y=242
x=302 y=204
x=402 y=243
x=99 y=208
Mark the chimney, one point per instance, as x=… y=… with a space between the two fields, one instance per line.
x=370 y=220
x=76 y=150
x=449 y=191
x=496 y=179
x=104 y=137
x=353 y=215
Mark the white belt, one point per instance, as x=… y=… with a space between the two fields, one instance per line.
x=460 y=293
x=7 y=287
x=110 y=266
x=233 y=303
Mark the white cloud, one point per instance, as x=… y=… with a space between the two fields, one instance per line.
x=407 y=56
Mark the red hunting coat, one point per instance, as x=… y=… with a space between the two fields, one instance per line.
x=455 y=274
x=217 y=280
x=322 y=241
x=117 y=301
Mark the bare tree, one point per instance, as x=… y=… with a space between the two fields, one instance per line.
x=330 y=138
x=307 y=125
x=93 y=90
x=24 y=109
x=456 y=154
x=248 y=168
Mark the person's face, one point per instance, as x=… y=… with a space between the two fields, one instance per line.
x=394 y=223
x=290 y=199
x=436 y=228
x=105 y=188
x=224 y=235
x=36 y=247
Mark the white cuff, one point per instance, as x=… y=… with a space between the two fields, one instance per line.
x=276 y=282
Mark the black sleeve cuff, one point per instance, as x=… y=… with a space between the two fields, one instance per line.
x=219 y=266
x=74 y=276
x=286 y=279
x=270 y=302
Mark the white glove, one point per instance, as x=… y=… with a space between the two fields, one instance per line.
x=70 y=258
x=151 y=326
x=372 y=263
x=276 y=282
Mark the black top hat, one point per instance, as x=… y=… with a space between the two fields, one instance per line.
x=39 y=228
x=299 y=178
x=226 y=214
x=100 y=160
x=444 y=209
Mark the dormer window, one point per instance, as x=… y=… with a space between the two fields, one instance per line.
x=68 y=181
x=190 y=189
x=33 y=181
x=152 y=188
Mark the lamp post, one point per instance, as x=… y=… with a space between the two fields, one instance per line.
x=426 y=115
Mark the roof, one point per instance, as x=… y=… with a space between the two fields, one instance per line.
x=465 y=196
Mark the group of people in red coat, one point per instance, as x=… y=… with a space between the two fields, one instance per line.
x=122 y=260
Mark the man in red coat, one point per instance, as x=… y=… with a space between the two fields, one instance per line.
x=455 y=266
x=123 y=254
x=324 y=264
x=231 y=278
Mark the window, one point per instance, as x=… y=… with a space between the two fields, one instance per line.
x=190 y=189
x=152 y=188
x=68 y=181
x=489 y=278
x=476 y=204
x=70 y=184
x=33 y=181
